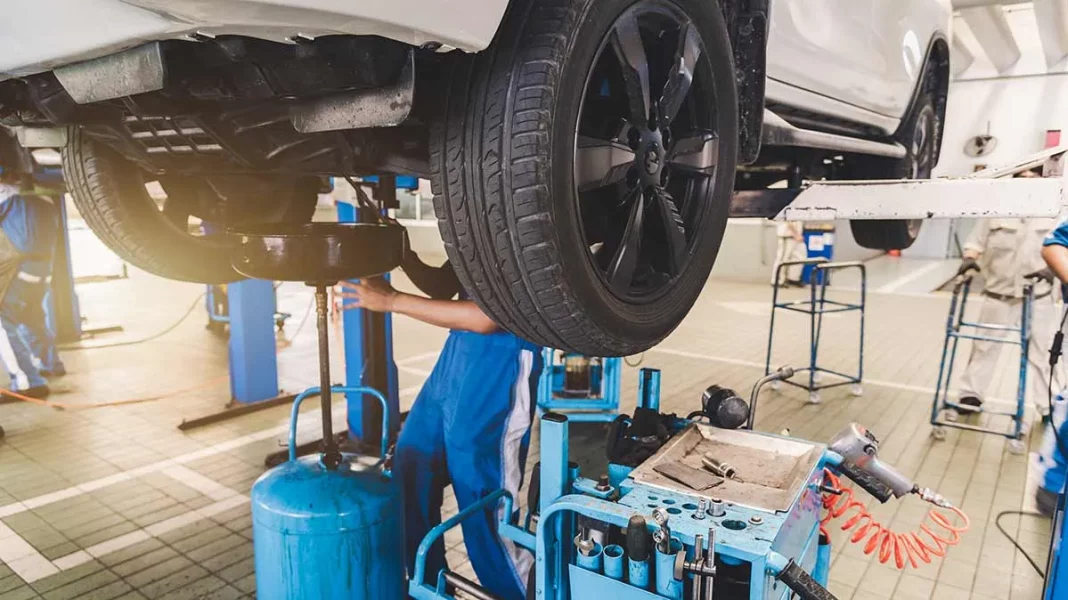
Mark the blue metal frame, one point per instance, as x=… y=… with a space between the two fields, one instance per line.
x=957 y=328
x=253 y=363
x=816 y=306
x=602 y=407
x=1056 y=585
x=62 y=310
x=355 y=324
x=767 y=540
x=338 y=389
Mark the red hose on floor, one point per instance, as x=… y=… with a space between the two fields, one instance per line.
x=905 y=548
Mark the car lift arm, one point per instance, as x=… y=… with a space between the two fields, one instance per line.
x=985 y=194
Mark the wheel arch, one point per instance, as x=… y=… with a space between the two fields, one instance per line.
x=935 y=79
x=747 y=24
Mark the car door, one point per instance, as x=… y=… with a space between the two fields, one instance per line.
x=866 y=53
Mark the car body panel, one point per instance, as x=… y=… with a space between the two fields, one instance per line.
x=778 y=92
x=854 y=59
x=49 y=33
x=852 y=54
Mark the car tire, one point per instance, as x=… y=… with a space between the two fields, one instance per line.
x=109 y=192
x=513 y=156
x=921 y=145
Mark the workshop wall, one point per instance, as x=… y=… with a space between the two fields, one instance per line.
x=1019 y=104
x=1016 y=106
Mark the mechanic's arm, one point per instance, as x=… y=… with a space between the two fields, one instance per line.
x=440 y=283
x=976 y=242
x=1056 y=257
x=973 y=248
x=377 y=295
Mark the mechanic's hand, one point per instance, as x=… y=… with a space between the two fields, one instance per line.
x=966 y=265
x=375 y=294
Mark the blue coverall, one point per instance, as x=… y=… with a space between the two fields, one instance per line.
x=30 y=225
x=469 y=426
x=1053 y=464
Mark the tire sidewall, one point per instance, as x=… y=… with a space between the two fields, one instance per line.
x=622 y=320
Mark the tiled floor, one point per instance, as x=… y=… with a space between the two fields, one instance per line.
x=116 y=502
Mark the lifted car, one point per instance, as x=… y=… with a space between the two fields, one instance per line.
x=583 y=153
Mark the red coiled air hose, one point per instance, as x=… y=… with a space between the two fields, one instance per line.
x=901 y=546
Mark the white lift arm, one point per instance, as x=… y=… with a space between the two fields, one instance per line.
x=985 y=194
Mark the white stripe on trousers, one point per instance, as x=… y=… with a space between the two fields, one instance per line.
x=516 y=427
x=19 y=379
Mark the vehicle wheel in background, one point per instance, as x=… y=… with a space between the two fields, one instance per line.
x=584 y=166
x=921 y=145
x=160 y=235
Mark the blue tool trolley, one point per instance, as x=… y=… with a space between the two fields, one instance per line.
x=815 y=307
x=944 y=412
x=762 y=547
x=585 y=388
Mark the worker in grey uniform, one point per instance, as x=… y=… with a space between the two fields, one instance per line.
x=1005 y=252
x=790 y=248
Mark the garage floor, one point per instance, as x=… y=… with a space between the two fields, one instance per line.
x=116 y=502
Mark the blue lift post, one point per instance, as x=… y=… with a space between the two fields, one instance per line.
x=62 y=313
x=253 y=363
x=369 y=350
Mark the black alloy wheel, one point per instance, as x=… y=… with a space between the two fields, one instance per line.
x=583 y=168
x=646 y=150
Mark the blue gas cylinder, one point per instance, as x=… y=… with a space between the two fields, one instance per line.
x=325 y=534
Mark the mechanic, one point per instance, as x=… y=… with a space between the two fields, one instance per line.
x=30 y=225
x=470 y=424
x=1052 y=461
x=791 y=247
x=1005 y=251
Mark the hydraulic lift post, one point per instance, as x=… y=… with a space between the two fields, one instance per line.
x=253 y=364
x=369 y=346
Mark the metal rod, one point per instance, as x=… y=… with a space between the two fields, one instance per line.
x=469 y=587
x=710 y=564
x=331 y=455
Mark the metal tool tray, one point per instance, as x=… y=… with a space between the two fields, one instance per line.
x=771 y=470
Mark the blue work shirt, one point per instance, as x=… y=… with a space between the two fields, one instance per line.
x=31 y=223
x=1052 y=464
x=1058 y=236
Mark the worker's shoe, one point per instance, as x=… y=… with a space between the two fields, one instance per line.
x=970 y=404
x=1046 y=501
x=53 y=373
x=40 y=392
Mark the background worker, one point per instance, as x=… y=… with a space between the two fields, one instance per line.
x=790 y=247
x=29 y=225
x=1052 y=458
x=1005 y=251
x=470 y=424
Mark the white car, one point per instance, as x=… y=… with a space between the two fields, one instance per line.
x=583 y=153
